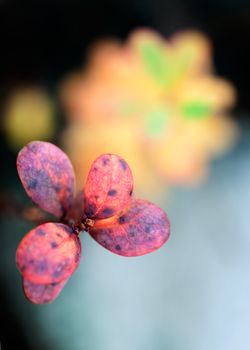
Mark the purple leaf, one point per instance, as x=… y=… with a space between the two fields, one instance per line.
x=143 y=228
x=47 y=176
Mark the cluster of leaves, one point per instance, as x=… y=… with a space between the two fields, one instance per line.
x=49 y=254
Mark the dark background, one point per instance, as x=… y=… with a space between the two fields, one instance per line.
x=41 y=40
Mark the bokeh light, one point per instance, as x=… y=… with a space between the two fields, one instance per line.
x=29 y=114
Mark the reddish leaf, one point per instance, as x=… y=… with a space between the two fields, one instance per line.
x=42 y=293
x=48 y=254
x=47 y=176
x=108 y=187
x=140 y=230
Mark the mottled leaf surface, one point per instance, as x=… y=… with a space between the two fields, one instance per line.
x=47 y=176
x=141 y=230
x=48 y=254
x=42 y=293
x=108 y=187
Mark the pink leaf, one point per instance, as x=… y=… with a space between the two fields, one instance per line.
x=108 y=187
x=48 y=254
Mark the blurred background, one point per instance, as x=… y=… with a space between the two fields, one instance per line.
x=166 y=85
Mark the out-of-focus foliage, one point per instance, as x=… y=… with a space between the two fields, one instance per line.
x=28 y=115
x=155 y=102
x=83 y=142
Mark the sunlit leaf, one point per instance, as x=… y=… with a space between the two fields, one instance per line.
x=48 y=254
x=108 y=187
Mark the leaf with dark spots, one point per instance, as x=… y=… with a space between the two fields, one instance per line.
x=57 y=188
x=105 y=161
x=40 y=232
x=142 y=229
x=124 y=219
x=42 y=293
x=123 y=164
x=60 y=269
x=131 y=233
x=41 y=266
x=47 y=176
x=107 y=191
x=32 y=184
x=112 y=193
x=53 y=245
x=147 y=228
x=54 y=256
x=107 y=212
x=90 y=209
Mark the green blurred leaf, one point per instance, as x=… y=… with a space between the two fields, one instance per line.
x=156 y=121
x=196 y=110
x=156 y=61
